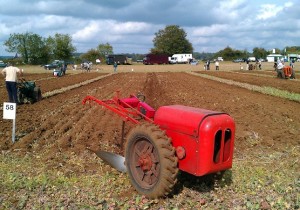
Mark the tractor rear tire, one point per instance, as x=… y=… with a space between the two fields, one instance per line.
x=150 y=161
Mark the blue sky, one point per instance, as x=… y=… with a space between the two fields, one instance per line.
x=129 y=25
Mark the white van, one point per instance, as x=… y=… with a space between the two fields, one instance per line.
x=180 y=58
x=252 y=59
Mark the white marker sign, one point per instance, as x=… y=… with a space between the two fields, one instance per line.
x=9 y=111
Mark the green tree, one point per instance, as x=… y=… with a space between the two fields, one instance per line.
x=171 y=40
x=259 y=52
x=90 y=55
x=229 y=54
x=61 y=46
x=105 y=49
x=31 y=47
x=293 y=49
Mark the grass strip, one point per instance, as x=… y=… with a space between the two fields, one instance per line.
x=64 y=89
x=264 y=89
x=252 y=74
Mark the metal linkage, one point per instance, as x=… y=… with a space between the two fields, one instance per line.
x=127 y=108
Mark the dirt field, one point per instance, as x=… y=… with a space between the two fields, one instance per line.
x=267 y=128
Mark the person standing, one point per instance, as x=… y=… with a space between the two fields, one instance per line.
x=279 y=69
x=217 y=65
x=64 y=67
x=115 y=67
x=293 y=63
x=207 y=64
x=259 y=64
x=247 y=64
x=10 y=72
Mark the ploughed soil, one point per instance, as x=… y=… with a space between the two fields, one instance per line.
x=63 y=119
x=61 y=123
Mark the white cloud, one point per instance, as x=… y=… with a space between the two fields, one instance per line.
x=87 y=32
x=208 y=31
x=271 y=10
x=230 y=10
x=129 y=26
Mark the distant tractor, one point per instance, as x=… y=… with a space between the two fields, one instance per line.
x=28 y=92
x=169 y=139
x=286 y=72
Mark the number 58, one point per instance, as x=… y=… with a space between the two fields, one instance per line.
x=9 y=107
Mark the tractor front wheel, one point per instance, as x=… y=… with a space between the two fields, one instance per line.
x=150 y=161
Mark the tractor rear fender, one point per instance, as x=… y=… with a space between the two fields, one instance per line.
x=204 y=138
x=287 y=70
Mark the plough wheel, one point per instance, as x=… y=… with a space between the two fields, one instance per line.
x=150 y=161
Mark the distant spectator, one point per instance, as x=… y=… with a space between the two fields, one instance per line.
x=217 y=65
x=247 y=64
x=279 y=69
x=241 y=66
x=74 y=67
x=64 y=68
x=115 y=67
x=292 y=63
x=207 y=64
x=88 y=66
x=275 y=66
x=259 y=64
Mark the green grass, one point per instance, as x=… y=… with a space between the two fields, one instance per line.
x=27 y=182
x=265 y=90
x=264 y=174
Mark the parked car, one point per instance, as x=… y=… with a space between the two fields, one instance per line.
x=238 y=60
x=2 y=64
x=55 y=64
x=194 y=62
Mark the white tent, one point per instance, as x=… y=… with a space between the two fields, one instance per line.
x=273 y=57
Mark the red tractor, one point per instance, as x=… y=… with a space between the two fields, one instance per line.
x=287 y=72
x=167 y=140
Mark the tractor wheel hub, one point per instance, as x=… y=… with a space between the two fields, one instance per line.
x=145 y=163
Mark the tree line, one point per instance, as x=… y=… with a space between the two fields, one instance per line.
x=34 y=49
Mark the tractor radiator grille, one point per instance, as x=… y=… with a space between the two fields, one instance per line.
x=222 y=143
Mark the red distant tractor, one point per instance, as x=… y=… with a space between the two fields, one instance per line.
x=286 y=72
x=169 y=139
